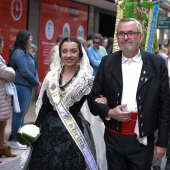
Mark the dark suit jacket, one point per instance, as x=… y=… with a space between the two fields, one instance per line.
x=153 y=99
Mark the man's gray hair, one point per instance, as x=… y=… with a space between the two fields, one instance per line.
x=33 y=46
x=131 y=19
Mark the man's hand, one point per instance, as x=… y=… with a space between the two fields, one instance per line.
x=120 y=115
x=159 y=152
x=102 y=100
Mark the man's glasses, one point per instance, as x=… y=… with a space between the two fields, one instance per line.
x=94 y=42
x=130 y=34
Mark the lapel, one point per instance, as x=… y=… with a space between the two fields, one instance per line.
x=116 y=70
x=146 y=75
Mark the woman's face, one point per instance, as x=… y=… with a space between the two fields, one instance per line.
x=1 y=46
x=70 y=54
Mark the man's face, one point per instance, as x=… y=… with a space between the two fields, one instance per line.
x=129 y=37
x=96 y=43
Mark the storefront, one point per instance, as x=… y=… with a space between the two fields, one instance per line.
x=46 y=19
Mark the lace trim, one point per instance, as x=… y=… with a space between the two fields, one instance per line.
x=79 y=86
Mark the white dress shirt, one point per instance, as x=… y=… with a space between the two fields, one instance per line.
x=131 y=70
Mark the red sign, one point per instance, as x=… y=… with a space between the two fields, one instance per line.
x=13 y=17
x=59 y=17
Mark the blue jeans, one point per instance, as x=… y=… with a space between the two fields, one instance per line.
x=24 y=98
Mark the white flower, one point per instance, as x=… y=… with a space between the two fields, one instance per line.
x=31 y=130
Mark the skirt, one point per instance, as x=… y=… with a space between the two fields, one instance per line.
x=56 y=150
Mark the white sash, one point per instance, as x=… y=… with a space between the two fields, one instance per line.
x=76 y=134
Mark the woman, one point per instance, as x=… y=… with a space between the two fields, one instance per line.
x=109 y=47
x=7 y=74
x=65 y=133
x=26 y=78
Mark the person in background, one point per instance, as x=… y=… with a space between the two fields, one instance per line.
x=7 y=74
x=95 y=52
x=168 y=46
x=82 y=41
x=54 y=52
x=33 y=50
x=136 y=85
x=68 y=84
x=104 y=42
x=109 y=47
x=26 y=78
x=90 y=36
x=88 y=44
x=156 y=164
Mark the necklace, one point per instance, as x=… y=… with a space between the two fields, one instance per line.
x=62 y=87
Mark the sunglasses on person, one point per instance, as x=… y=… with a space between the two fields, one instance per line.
x=94 y=42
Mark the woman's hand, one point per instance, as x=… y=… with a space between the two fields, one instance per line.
x=102 y=100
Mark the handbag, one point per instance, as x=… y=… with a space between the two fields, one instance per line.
x=9 y=88
x=28 y=134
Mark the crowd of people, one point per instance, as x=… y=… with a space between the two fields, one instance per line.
x=95 y=105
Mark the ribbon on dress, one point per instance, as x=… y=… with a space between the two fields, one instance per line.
x=76 y=134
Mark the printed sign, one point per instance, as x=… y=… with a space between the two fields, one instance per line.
x=59 y=17
x=163 y=22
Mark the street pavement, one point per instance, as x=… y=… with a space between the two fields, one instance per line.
x=14 y=163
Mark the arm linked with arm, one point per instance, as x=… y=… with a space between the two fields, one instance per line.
x=97 y=90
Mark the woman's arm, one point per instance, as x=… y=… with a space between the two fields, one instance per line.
x=45 y=109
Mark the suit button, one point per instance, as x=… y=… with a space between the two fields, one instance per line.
x=117 y=128
x=118 y=94
x=139 y=107
x=141 y=124
x=139 y=97
x=117 y=102
x=142 y=133
x=141 y=116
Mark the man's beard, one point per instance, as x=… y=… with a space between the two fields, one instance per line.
x=130 y=47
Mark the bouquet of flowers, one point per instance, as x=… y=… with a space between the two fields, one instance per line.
x=28 y=134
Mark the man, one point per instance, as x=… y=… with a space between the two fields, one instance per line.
x=95 y=52
x=55 y=50
x=136 y=86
